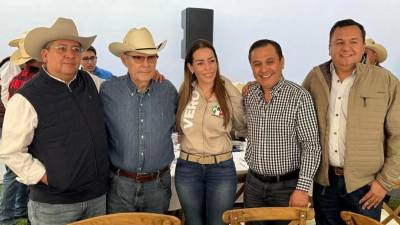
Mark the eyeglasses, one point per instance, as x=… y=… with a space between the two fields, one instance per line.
x=63 y=49
x=91 y=58
x=140 y=59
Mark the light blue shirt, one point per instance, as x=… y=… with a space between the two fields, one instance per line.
x=139 y=124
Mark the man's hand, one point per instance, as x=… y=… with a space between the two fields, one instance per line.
x=158 y=77
x=374 y=196
x=298 y=199
x=44 y=179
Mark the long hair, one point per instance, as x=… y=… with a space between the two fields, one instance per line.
x=185 y=92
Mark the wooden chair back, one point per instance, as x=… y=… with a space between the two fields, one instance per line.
x=352 y=218
x=297 y=216
x=131 y=219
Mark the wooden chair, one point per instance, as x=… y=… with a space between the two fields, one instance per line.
x=131 y=219
x=356 y=219
x=393 y=214
x=293 y=214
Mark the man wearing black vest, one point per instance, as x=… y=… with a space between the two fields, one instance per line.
x=54 y=135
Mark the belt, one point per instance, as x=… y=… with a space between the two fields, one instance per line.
x=276 y=179
x=338 y=171
x=208 y=159
x=141 y=177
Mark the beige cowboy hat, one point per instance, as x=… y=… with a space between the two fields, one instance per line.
x=62 y=29
x=15 y=42
x=20 y=56
x=380 y=51
x=137 y=40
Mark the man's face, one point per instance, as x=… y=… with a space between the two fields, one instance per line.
x=62 y=58
x=267 y=66
x=88 y=61
x=371 y=56
x=346 y=47
x=141 y=67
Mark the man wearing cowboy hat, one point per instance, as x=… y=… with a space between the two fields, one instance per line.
x=375 y=52
x=54 y=133
x=358 y=110
x=140 y=117
x=15 y=196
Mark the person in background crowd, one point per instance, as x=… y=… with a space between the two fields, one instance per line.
x=140 y=117
x=54 y=135
x=375 y=53
x=283 y=150
x=89 y=64
x=209 y=107
x=358 y=108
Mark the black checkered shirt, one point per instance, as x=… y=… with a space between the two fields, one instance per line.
x=282 y=133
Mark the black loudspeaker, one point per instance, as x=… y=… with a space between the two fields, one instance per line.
x=196 y=23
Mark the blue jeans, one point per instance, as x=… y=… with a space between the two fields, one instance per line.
x=331 y=200
x=258 y=193
x=60 y=214
x=127 y=195
x=14 y=199
x=205 y=191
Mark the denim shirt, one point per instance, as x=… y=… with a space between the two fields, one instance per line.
x=139 y=124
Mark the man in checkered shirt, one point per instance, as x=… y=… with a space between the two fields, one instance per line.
x=283 y=150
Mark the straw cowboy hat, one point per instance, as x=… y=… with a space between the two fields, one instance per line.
x=62 y=29
x=137 y=40
x=15 y=42
x=20 y=56
x=380 y=51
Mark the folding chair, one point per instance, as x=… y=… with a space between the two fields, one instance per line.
x=352 y=218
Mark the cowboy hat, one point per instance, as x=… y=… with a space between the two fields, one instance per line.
x=15 y=42
x=381 y=53
x=62 y=29
x=137 y=40
x=20 y=56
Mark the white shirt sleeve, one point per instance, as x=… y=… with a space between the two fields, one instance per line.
x=20 y=122
x=7 y=72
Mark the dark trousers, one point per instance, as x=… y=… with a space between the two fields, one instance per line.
x=258 y=193
x=330 y=201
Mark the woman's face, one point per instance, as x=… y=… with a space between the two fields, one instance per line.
x=204 y=66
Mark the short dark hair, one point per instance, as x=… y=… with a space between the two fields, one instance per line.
x=265 y=42
x=346 y=23
x=92 y=49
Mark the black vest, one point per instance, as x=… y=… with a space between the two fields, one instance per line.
x=70 y=139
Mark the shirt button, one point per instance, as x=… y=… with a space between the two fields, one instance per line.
x=141 y=104
x=132 y=94
x=335 y=150
x=142 y=137
x=338 y=81
x=334 y=133
x=141 y=120
x=337 y=114
x=141 y=153
x=339 y=98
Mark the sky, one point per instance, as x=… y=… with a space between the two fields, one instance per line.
x=301 y=28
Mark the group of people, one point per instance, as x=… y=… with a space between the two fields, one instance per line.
x=85 y=151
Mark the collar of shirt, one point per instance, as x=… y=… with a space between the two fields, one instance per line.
x=275 y=89
x=333 y=71
x=134 y=89
x=58 y=79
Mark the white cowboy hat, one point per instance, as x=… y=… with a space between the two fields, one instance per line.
x=62 y=29
x=137 y=40
x=381 y=53
x=20 y=56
